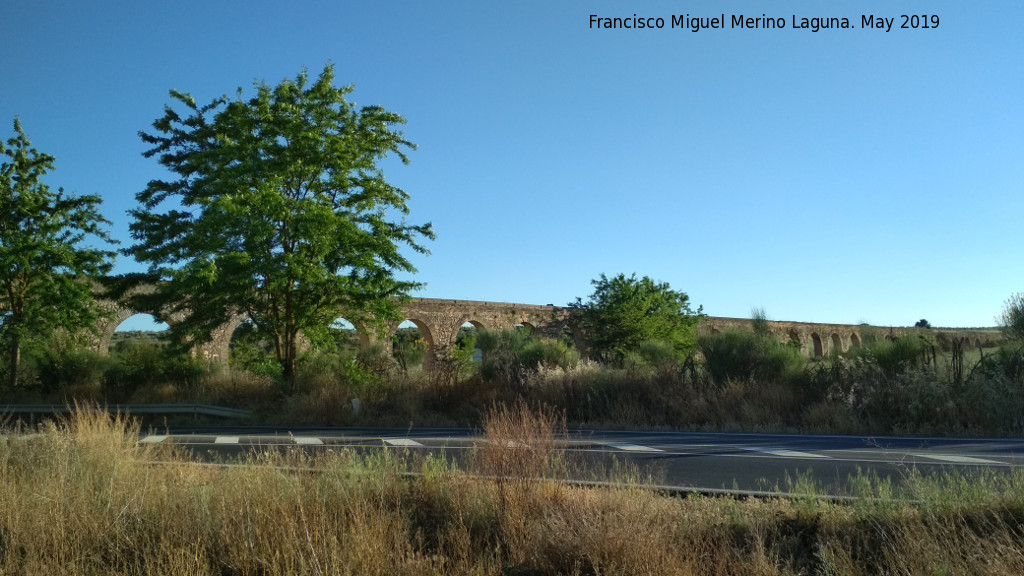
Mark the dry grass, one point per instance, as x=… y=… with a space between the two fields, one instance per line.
x=224 y=388
x=83 y=497
x=520 y=442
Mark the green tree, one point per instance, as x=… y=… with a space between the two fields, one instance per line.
x=280 y=210
x=623 y=313
x=44 y=256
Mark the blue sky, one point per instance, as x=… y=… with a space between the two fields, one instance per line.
x=840 y=176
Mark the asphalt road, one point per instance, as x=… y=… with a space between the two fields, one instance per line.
x=698 y=461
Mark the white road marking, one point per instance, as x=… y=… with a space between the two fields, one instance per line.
x=307 y=441
x=632 y=447
x=153 y=439
x=786 y=453
x=957 y=459
x=508 y=443
x=402 y=442
x=226 y=440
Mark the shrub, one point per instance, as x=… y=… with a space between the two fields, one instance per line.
x=409 y=348
x=1007 y=361
x=992 y=403
x=72 y=368
x=759 y=322
x=741 y=355
x=1012 y=318
x=375 y=360
x=510 y=356
x=250 y=352
x=319 y=369
x=503 y=356
x=143 y=363
x=658 y=353
x=896 y=354
x=238 y=390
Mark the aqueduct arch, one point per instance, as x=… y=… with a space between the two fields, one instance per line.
x=429 y=348
x=113 y=314
x=818 y=349
x=440 y=320
x=835 y=346
x=218 y=349
x=108 y=326
x=475 y=323
x=359 y=331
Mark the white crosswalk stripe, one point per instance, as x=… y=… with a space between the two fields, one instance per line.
x=786 y=453
x=508 y=443
x=632 y=447
x=958 y=459
x=402 y=442
x=307 y=441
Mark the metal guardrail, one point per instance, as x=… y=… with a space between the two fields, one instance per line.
x=190 y=409
x=665 y=489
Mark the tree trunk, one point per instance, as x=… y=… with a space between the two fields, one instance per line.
x=277 y=347
x=289 y=364
x=290 y=338
x=15 y=361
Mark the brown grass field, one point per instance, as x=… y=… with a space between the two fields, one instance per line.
x=84 y=497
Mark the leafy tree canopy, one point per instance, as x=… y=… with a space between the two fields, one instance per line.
x=278 y=209
x=624 y=312
x=44 y=254
x=922 y=323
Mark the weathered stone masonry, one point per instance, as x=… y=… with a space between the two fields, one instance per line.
x=439 y=322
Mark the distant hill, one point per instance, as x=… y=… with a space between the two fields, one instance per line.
x=128 y=337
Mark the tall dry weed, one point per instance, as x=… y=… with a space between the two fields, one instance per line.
x=520 y=442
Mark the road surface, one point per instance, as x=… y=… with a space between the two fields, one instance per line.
x=698 y=461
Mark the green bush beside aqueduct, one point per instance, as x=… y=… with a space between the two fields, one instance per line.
x=735 y=381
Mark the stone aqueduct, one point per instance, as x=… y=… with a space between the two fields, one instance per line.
x=439 y=322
